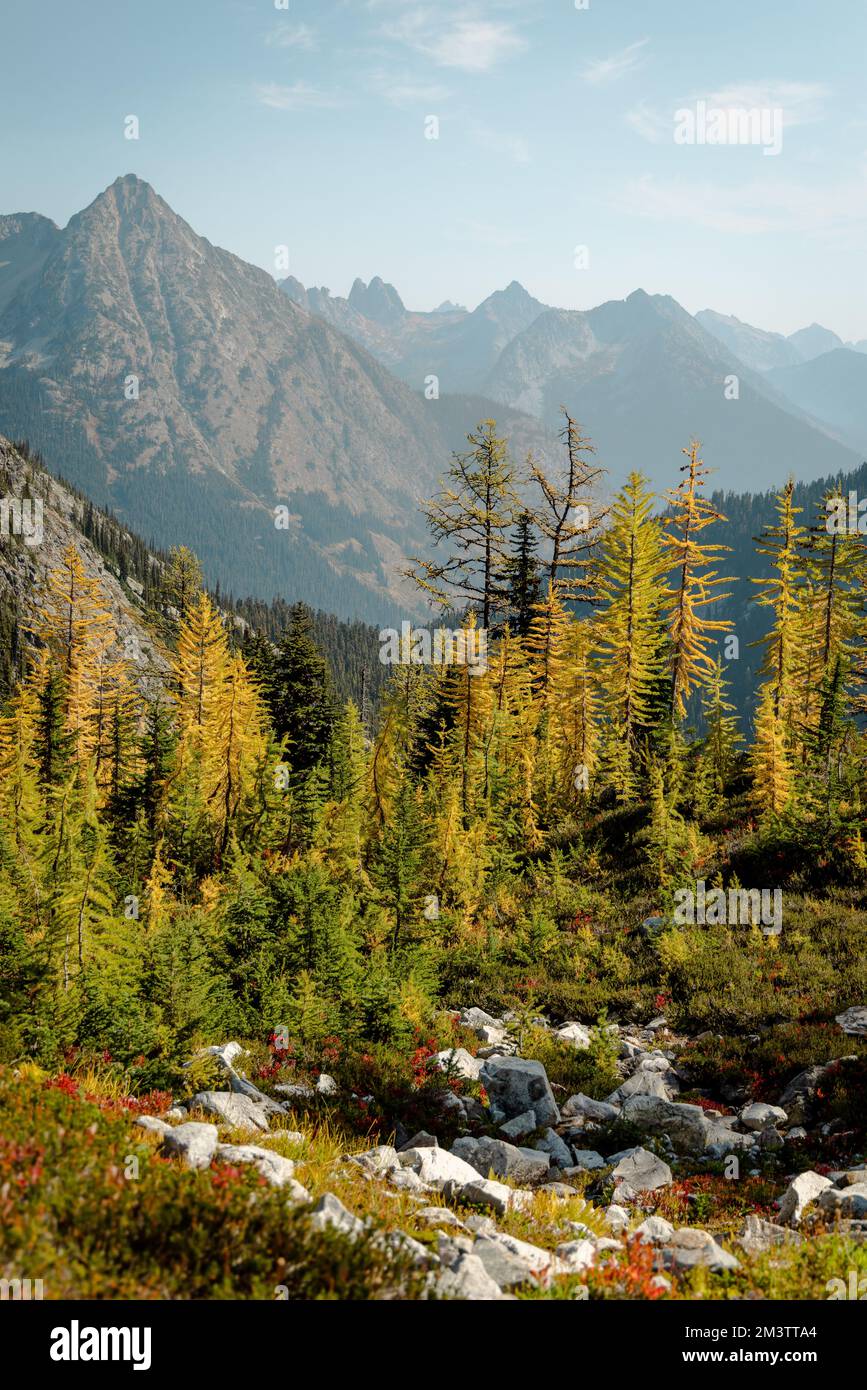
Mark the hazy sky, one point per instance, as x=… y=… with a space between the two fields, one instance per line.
x=305 y=126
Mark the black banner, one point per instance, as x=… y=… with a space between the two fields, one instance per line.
x=86 y=1340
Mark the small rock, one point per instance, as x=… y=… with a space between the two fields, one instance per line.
x=642 y=1171
x=405 y=1180
x=799 y=1098
x=685 y=1125
x=437 y=1167
x=854 y=1020
x=291 y=1136
x=273 y=1166
x=691 y=1247
x=450 y=1103
x=295 y=1091
x=492 y=1037
x=845 y=1201
x=585 y=1160
x=480 y=1224
x=151 y=1123
x=515 y=1085
x=552 y=1144
x=655 y=1231
x=403 y=1244
x=194 y=1143
x=440 y=1216
x=600 y=1110
x=422 y=1140
x=759 y=1116
x=850 y=1177
x=326 y=1085
x=478 y=1018
x=381 y=1159
x=457 y=1062
x=771 y=1140
x=804 y=1189
x=759 y=1236
x=467 y=1279
x=617 y=1217
x=642 y=1083
x=577 y=1255
x=484 y=1192
x=574 y=1033
x=520 y=1126
x=511 y=1262
x=238 y=1111
x=330 y=1214
x=505 y=1160
x=227 y=1054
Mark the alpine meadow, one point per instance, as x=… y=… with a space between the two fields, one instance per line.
x=433 y=743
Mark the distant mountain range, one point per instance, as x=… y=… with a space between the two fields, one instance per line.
x=641 y=374
x=183 y=388
x=459 y=348
x=814 y=369
x=762 y=351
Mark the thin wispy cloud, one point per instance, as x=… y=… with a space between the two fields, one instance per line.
x=835 y=214
x=299 y=96
x=404 y=92
x=515 y=147
x=800 y=102
x=649 y=123
x=451 y=39
x=292 y=36
x=600 y=71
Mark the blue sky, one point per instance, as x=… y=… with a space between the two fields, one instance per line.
x=305 y=126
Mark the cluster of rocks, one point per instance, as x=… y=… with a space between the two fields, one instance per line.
x=242 y=1106
x=541 y=1145
x=474 y=1255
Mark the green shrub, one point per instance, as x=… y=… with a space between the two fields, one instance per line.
x=73 y=1215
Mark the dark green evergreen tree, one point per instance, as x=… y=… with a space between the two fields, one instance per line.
x=300 y=695
x=525 y=586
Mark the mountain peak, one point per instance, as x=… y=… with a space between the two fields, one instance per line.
x=128 y=194
x=296 y=291
x=515 y=290
x=813 y=341
x=131 y=181
x=378 y=301
x=129 y=188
